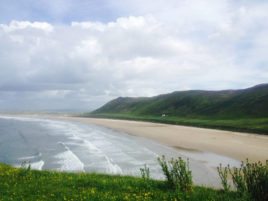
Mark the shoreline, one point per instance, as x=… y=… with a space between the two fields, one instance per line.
x=205 y=148
x=239 y=146
x=236 y=145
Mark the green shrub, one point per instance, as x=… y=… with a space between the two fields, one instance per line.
x=251 y=179
x=145 y=172
x=165 y=168
x=238 y=179
x=223 y=173
x=25 y=168
x=177 y=173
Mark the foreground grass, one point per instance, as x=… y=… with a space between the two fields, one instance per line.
x=253 y=125
x=31 y=185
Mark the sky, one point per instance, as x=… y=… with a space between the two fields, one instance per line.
x=79 y=54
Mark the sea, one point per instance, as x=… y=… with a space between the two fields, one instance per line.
x=47 y=144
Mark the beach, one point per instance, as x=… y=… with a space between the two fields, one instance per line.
x=240 y=146
x=77 y=144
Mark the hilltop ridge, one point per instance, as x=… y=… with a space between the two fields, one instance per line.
x=242 y=103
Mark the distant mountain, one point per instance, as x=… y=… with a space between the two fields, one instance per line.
x=250 y=102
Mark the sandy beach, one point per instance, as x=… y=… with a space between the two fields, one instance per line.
x=232 y=144
x=110 y=146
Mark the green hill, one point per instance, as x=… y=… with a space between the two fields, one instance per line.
x=251 y=102
x=244 y=110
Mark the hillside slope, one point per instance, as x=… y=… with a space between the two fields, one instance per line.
x=244 y=103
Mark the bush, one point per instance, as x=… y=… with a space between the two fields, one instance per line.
x=223 y=173
x=177 y=173
x=145 y=172
x=250 y=178
x=25 y=168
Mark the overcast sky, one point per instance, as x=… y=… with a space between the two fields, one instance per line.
x=79 y=54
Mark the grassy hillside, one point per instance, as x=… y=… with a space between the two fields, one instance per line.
x=251 y=102
x=30 y=185
x=243 y=110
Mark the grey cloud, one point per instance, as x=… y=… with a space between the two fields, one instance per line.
x=85 y=64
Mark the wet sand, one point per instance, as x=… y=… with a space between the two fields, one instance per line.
x=231 y=144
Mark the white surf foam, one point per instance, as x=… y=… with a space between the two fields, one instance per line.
x=53 y=124
x=69 y=161
x=112 y=168
x=37 y=165
x=94 y=142
x=20 y=118
x=29 y=158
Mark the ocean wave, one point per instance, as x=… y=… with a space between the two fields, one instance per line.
x=29 y=158
x=19 y=118
x=109 y=164
x=37 y=165
x=68 y=160
x=112 y=167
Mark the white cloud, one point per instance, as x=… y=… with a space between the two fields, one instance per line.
x=168 y=47
x=98 y=26
x=21 y=25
